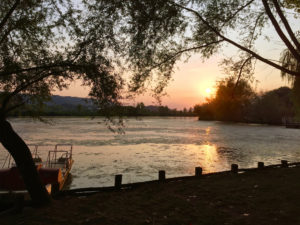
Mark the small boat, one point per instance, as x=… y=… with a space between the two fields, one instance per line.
x=53 y=172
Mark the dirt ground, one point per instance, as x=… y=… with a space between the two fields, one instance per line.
x=270 y=196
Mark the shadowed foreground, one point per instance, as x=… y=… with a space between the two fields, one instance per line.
x=270 y=196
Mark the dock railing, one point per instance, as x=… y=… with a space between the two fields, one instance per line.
x=57 y=156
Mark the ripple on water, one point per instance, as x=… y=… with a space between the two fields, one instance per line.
x=176 y=145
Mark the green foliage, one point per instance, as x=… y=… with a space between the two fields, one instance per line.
x=296 y=96
x=177 y=33
x=292 y=4
x=204 y=111
x=159 y=33
x=65 y=106
x=45 y=45
x=141 y=110
x=231 y=100
x=289 y=61
x=271 y=107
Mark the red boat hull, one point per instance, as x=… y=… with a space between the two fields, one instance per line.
x=10 y=179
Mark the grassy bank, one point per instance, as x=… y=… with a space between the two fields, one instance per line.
x=271 y=196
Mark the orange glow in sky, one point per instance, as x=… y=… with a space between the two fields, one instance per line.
x=192 y=83
x=195 y=80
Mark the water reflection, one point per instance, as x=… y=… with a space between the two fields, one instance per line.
x=211 y=157
x=176 y=145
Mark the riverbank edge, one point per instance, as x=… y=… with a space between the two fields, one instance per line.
x=162 y=178
x=257 y=196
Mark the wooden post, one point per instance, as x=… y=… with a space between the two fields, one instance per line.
x=198 y=171
x=19 y=203
x=118 y=181
x=260 y=165
x=161 y=175
x=234 y=168
x=284 y=163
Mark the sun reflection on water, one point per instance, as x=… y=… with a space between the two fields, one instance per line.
x=205 y=156
x=210 y=157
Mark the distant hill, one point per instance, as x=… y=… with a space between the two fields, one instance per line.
x=69 y=106
x=68 y=101
x=72 y=102
x=75 y=106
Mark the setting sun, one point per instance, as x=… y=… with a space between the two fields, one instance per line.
x=208 y=91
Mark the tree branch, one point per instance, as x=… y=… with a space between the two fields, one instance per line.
x=183 y=51
x=279 y=31
x=294 y=73
x=241 y=70
x=252 y=33
x=8 y=14
x=286 y=24
x=5 y=35
x=43 y=67
x=34 y=80
x=13 y=107
x=18 y=90
x=237 y=11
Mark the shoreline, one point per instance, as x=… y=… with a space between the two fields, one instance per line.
x=162 y=178
x=265 y=196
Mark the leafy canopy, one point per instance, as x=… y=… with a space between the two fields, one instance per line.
x=48 y=44
x=232 y=99
x=160 y=32
x=292 y=4
x=45 y=45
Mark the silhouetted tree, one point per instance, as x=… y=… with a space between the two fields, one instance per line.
x=140 y=107
x=272 y=107
x=204 y=111
x=162 y=32
x=232 y=99
x=47 y=44
x=42 y=47
x=268 y=108
x=289 y=61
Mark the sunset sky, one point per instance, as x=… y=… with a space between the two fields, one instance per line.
x=191 y=79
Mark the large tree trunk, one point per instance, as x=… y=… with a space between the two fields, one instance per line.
x=23 y=158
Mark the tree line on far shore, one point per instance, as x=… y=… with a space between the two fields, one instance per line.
x=233 y=102
x=73 y=106
x=238 y=102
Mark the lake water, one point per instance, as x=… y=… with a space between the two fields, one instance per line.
x=150 y=144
